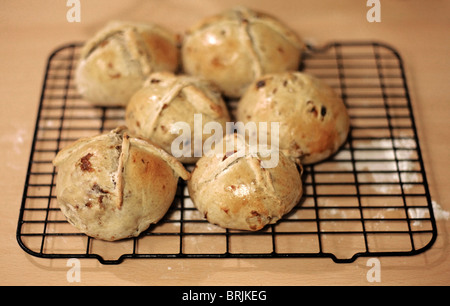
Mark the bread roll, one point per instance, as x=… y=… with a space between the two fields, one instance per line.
x=234 y=190
x=313 y=119
x=113 y=186
x=116 y=61
x=166 y=99
x=233 y=48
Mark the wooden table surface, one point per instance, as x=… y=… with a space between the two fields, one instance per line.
x=419 y=30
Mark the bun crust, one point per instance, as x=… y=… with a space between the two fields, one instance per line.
x=117 y=60
x=233 y=48
x=234 y=191
x=314 y=122
x=113 y=186
x=166 y=99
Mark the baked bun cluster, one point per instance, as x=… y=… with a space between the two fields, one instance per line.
x=113 y=186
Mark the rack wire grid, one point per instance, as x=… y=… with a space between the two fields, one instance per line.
x=370 y=199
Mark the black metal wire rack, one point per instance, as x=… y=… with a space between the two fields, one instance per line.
x=370 y=199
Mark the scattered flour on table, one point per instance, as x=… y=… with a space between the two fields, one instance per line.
x=438 y=211
x=403 y=153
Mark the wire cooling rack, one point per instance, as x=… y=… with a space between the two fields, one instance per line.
x=370 y=199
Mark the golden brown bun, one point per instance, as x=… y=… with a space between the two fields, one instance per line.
x=233 y=189
x=113 y=186
x=116 y=61
x=233 y=48
x=314 y=122
x=166 y=99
